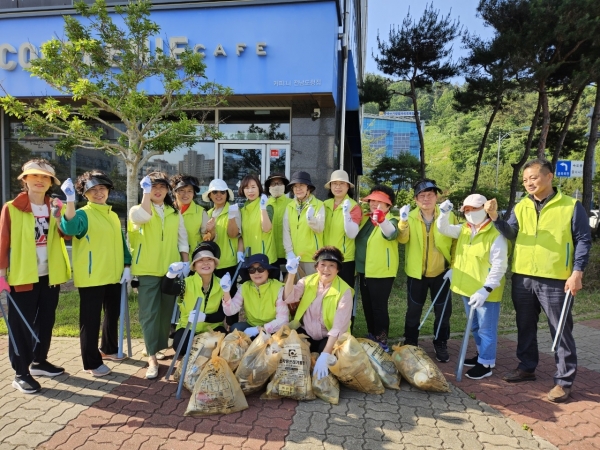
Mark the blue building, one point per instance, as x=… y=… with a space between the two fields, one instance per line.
x=396 y=131
x=290 y=64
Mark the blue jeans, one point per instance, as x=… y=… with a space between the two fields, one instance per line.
x=240 y=326
x=485 y=330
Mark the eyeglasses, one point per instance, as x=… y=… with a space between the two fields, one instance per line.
x=258 y=269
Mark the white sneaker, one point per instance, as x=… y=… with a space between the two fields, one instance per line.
x=159 y=355
x=152 y=372
x=100 y=371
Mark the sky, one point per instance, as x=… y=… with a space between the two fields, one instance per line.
x=384 y=13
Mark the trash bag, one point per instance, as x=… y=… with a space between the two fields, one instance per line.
x=202 y=347
x=418 y=369
x=382 y=363
x=233 y=348
x=258 y=363
x=216 y=391
x=327 y=388
x=353 y=366
x=292 y=377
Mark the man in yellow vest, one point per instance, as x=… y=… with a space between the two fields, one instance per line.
x=427 y=259
x=552 y=242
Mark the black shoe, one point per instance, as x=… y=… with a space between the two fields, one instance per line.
x=478 y=372
x=441 y=352
x=470 y=362
x=46 y=369
x=410 y=342
x=26 y=384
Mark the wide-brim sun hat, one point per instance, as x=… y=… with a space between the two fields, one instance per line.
x=379 y=196
x=338 y=175
x=207 y=249
x=473 y=200
x=217 y=185
x=424 y=186
x=38 y=168
x=96 y=180
x=274 y=177
x=301 y=177
x=259 y=258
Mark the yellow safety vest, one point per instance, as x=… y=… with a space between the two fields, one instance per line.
x=192 y=219
x=252 y=234
x=193 y=290
x=334 y=233
x=382 y=258
x=305 y=241
x=260 y=301
x=278 y=205
x=227 y=245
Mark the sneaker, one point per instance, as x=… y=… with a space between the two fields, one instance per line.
x=559 y=394
x=46 y=369
x=26 y=384
x=470 y=362
x=478 y=372
x=100 y=371
x=159 y=355
x=152 y=372
x=370 y=337
x=384 y=346
x=441 y=352
x=112 y=356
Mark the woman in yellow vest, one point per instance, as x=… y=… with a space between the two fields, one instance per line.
x=33 y=264
x=478 y=272
x=276 y=185
x=261 y=297
x=377 y=262
x=303 y=222
x=201 y=285
x=185 y=188
x=324 y=304
x=342 y=219
x=158 y=236
x=101 y=261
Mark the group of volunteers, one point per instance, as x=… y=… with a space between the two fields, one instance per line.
x=175 y=249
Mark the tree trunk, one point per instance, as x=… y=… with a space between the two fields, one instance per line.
x=482 y=146
x=588 y=159
x=413 y=93
x=132 y=182
x=565 y=128
x=541 y=150
x=517 y=166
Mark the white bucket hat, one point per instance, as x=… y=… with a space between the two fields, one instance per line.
x=339 y=175
x=217 y=185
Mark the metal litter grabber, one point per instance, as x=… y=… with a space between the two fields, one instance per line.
x=124 y=321
x=186 y=332
x=561 y=322
x=16 y=308
x=442 y=316
x=10 y=335
x=465 y=344
x=433 y=303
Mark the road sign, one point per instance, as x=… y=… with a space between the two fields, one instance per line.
x=569 y=169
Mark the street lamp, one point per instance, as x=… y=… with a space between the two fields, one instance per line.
x=500 y=137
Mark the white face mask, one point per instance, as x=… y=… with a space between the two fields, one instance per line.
x=277 y=191
x=476 y=217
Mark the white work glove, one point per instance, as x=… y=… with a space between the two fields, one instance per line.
x=240 y=257
x=310 y=213
x=146 y=184
x=226 y=282
x=201 y=316
x=404 y=213
x=126 y=277
x=251 y=332
x=69 y=190
x=263 y=202
x=292 y=265
x=322 y=366
x=175 y=269
x=448 y=275
x=233 y=211
x=186 y=269
x=346 y=210
x=446 y=206
x=478 y=298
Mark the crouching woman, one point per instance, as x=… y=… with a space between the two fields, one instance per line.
x=324 y=303
x=201 y=286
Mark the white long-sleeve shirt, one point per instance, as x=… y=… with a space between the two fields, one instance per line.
x=498 y=251
x=139 y=216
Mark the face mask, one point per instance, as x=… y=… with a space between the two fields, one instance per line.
x=476 y=217
x=277 y=191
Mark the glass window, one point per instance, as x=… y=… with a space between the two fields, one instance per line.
x=258 y=124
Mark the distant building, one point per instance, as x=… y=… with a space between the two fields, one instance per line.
x=197 y=165
x=396 y=131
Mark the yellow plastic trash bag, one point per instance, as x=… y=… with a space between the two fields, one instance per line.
x=382 y=363
x=202 y=348
x=292 y=377
x=216 y=391
x=258 y=363
x=233 y=348
x=353 y=367
x=418 y=369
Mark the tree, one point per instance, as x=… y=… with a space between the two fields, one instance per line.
x=103 y=67
x=419 y=53
x=400 y=172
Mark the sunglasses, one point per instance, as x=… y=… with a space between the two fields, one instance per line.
x=219 y=192
x=259 y=269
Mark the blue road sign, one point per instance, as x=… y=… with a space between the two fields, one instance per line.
x=563 y=168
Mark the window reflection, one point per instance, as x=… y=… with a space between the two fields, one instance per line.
x=247 y=125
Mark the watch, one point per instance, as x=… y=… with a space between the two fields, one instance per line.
x=489 y=289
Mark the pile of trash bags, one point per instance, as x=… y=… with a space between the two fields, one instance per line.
x=222 y=369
